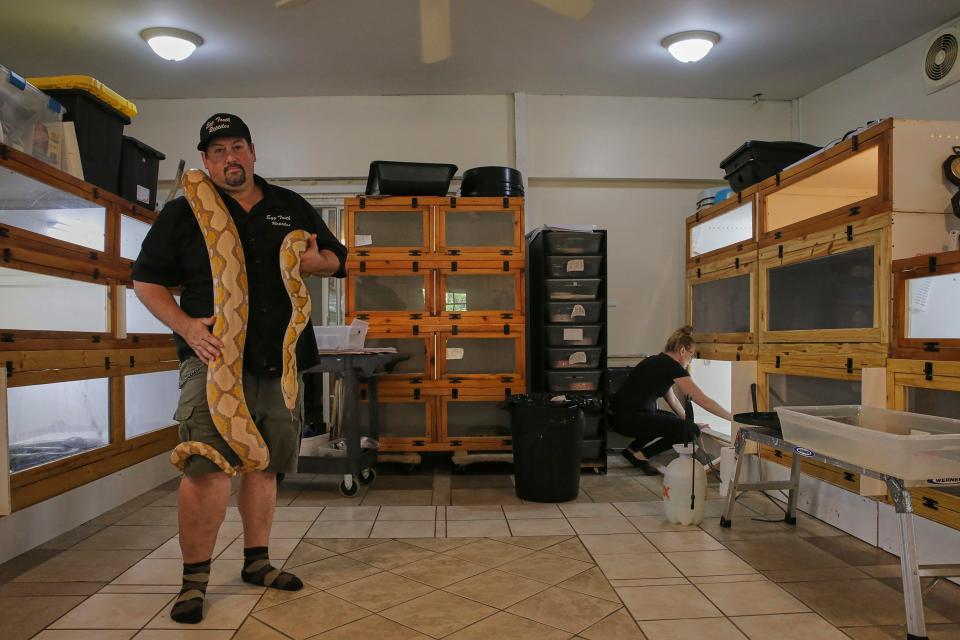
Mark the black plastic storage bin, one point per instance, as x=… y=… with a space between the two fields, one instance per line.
x=576 y=358
x=139 y=167
x=755 y=161
x=573 y=267
x=591 y=449
x=387 y=178
x=576 y=380
x=567 y=336
x=99 y=135
x=491 y=182
x=573 y=289
x=547 y=439
x=574 y=312
x=573 y=243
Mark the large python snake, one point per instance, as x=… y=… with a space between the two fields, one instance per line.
x=228 y=406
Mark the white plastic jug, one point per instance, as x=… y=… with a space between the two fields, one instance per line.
x=677 y=488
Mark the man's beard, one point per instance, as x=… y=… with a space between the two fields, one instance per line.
x=235 y=179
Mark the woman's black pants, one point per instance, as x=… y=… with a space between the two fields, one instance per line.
x=654 y=432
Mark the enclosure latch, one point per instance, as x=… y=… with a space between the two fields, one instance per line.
x=849 y=365
x=416 y=394
x=453 y=202
x=416 y=266
x=931 y=346
x=930 y=503
x=506 y=265
x=849 y=232
x=4 y=232
x=6 y=337
x=506 y=329
x=780 y=251
x=506 y=202
x=855 y=211
x=455 y=393
x=363 y=202
x=932 y=264
x=736 y=263
x=363 y=266
x=414 y=203
x=777 y=364
x=453 y=266
x=928 y=370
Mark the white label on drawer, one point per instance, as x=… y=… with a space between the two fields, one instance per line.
x=362 y=240
x=578 y=311
x=574 y=265
x=579 y=357
x=143 y=194
x=571 y=335
x=454 y=353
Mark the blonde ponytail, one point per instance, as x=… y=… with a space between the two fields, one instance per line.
x=681 y=338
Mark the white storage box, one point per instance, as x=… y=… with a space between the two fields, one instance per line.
x=910 y=446
x=341 y=338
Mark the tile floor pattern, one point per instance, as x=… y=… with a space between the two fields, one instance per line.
x=434 y=555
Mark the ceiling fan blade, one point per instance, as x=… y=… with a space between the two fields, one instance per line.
x=574 y=9
x=288 y=4
x=435 y=38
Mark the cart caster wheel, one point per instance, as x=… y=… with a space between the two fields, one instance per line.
x=349 y=491
x=724 y=523
x=367 y=476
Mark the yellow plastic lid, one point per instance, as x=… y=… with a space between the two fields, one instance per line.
x=90 y=85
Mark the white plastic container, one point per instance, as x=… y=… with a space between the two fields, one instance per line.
x=341 y=338
x=677 y=488
x=30 y=120
x=914 y=447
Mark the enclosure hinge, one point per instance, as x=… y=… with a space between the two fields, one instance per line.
x=454 y=380
x=363 y=202
x=506 y=252
x=506 y=265
x=453 y=202
x=849 y=365
x=849 y=477
x=363 y=253
x=419 y=443
x=454 y=316
x=506 y=316
x=930 y=503
x=506 y=379
x=855 y=211
x=93 y=255
x=456 y=443
x=415 y=252
x=506 y=202
x=740 y=247
x=931 y=346
x=453 y=252
x=136 y=339
x=453 y=266
x=363 y=266
x=506 y=329
x=4 y=232
x=416 y=316
x=95 y=339
x=849 y=232
x=777 y=365
x=932 y=264
x=362 y=316
x=507 y=442
x=777 y=235
x=928 y=370
x=416 y=380
x=777 y=453
x=6 y=337
x=414 y=203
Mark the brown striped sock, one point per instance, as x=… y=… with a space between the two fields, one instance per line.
x=258 y=570
x=188 y=607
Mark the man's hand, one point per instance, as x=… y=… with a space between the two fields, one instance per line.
x=197 y=334
x=314 y=262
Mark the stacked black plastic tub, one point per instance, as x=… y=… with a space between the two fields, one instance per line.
x=567 y=334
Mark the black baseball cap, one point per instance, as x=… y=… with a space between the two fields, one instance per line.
x=222 y=125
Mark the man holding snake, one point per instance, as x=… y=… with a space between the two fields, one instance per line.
x=174 y=254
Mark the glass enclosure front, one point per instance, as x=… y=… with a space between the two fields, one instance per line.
x=479 y=293
x=933 y=307
x=722 y=306
x=933 y=402
x=47 y=422
x=715 y=378
x=833 y=292
x=149 y=400
x=388 y=229
x=413 y=347
x=390 y=293
x=480 y=355
x=139 y=319
x=26 y=296
x=479 y=228
x=845 y=183
x=397 y=419
x=802 y=391
x=726 y=229
x=31 y=205
x=476 y=419
x=132 y=233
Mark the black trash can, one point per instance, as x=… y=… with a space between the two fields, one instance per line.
x=547 y=434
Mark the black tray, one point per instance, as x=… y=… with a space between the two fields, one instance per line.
x=764 y=421
x=755 y=161
x=387 y=178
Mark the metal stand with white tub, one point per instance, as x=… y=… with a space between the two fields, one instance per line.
x=353 y=462
x=902 y=450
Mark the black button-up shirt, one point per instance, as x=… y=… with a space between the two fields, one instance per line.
x=174 y=254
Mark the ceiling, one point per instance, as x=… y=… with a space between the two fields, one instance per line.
x=781 y=48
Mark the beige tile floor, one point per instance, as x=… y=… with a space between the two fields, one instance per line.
x=430 y=555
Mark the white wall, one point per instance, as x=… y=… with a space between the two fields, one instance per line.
x=891 y=85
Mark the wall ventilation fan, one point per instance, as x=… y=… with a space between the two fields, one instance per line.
x=941 y=66
x=435 y=34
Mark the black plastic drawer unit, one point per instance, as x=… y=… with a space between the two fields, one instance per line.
x=572 y=267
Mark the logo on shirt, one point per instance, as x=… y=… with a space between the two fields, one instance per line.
x=279 y=220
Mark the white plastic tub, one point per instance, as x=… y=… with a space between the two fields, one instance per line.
x=341 y=338
x=910 y=446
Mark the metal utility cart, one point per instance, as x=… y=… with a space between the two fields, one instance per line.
x=355 y=463
x=898 y=487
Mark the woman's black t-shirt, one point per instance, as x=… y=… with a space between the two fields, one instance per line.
x=649 y=380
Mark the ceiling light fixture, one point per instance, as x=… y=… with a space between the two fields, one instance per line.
x=171 y=44
x=690 y=46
